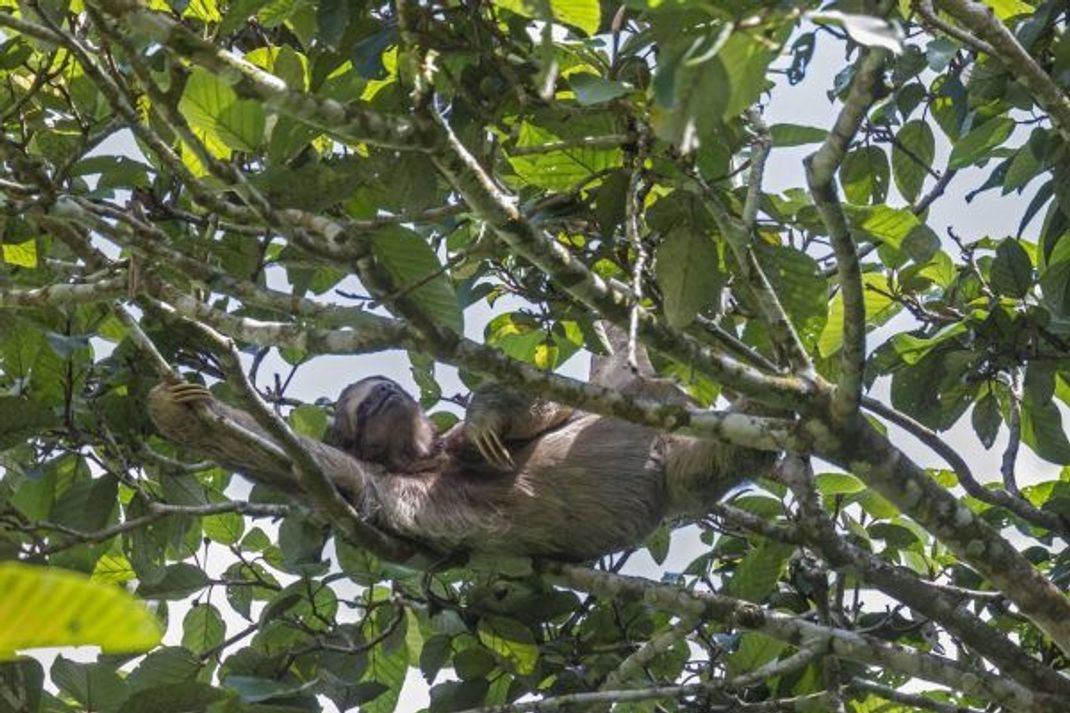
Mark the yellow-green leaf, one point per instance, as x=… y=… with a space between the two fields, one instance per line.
x=511 y=640
x=21 y=254
x=46 y=606
x=1009 y=8
x=585 y=15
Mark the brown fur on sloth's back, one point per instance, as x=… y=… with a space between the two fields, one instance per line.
x=592 y=486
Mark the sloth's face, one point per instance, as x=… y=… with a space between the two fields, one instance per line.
x=375 y=397
x=377 y=421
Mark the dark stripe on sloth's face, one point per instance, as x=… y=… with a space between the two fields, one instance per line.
x=378 y=397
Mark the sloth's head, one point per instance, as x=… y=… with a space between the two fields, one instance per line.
x=376 y=421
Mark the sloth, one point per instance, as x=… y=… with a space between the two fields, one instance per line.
x=519 y=476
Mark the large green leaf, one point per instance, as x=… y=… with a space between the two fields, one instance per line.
x=897 y=227
x=221 y=120
x=912 y=157
x=978 y=144
x=689 y=273
x=42 y=606
x=585 y=15
x=418 y=275
x=510 y=640
x=1042 y=430
x=864 y=175
x=562 y=169
x=758 y=572
x=1012 y=270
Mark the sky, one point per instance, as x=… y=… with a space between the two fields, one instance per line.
x=806 y=104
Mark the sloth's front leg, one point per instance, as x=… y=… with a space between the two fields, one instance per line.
x=484 y=425
x=497 y=415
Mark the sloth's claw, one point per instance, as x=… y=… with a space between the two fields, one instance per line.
x=187 y=393
x=490 y=446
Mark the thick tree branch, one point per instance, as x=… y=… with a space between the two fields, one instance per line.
x=999 y=498
x=929 y=599
x=927 y=12
x=872 y=457
x=821 y=167
x=861 y=685
x=102 y=290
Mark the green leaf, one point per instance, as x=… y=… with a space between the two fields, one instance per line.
x=238 y=12
x=96 y=686
x=585 y=15
x=1006 y=9
x=688 y=272
x=60 y=608
x=511 y=640
x=911 y=349
x=658 y=544
x=1012 y=270
x=169 y=665
x=309 y=420
x=785 y=135
x=758 y=572
x=203 y=628
x=839 y=484
x=174 y=698
x=977 y=144
x=746 y=58
x=1042 y=430
x=225 y=528
x=22 y=418
x=801 y=286
x=387 y=664
x=332 y=18
x=22 y=254
x=898 y=227
x=879 y=306
x=252 y=689
x=912 y=157
x=176 y=581
x=986 y=420
x=591 y=89
x=754 y=650
x=864 y=175
x=216 y=115
x=417 y=273
x=558 y=170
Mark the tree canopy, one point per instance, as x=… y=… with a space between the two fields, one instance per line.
x=193 y=187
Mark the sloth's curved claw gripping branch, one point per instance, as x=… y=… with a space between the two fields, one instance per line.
x=490 y=446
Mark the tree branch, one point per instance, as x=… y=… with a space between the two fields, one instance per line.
x=927 y=598
x=345 y=121
x=871 y=456
x=839 y=642
x=1007 y=500
x=821 y=167
x=158 y=511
